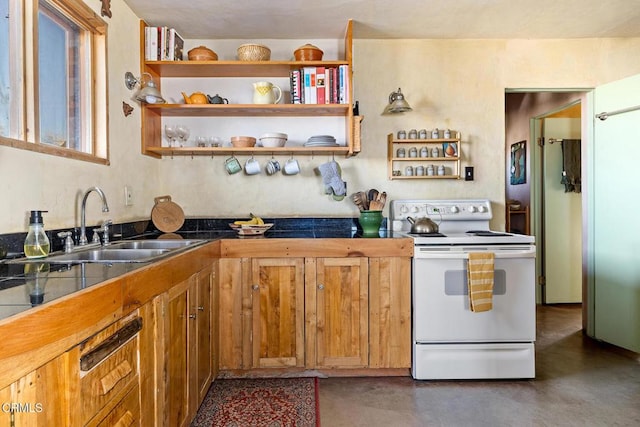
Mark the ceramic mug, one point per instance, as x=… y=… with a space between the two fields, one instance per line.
x=232 y=165
x=252 y=166
x=273 y=166
x=291 y=167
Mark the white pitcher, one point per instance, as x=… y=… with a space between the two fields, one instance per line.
x=265 y=93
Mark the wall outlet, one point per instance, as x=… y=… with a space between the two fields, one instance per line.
x=128 y=196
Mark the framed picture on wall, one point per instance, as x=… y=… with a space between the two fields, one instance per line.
x=518 y=163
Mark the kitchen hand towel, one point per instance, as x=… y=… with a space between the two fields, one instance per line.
x=571 y=168
x=480 y=272
x=331 y=177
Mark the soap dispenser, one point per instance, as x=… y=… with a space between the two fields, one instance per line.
x=36 y=245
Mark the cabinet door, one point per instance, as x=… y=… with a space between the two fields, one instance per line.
x=342 y=311
x=201 y=306
x=175 y=351
x=232 y=311
x=277 y=302
x=37 y=398
x=390 y=312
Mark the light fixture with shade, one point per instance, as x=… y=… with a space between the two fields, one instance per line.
x=397 y=103
x=148 y=92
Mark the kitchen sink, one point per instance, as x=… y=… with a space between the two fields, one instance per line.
x=119 y=252
x=153 y=244
x=108 y=255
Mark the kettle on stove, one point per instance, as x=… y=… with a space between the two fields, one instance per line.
x=423 y=225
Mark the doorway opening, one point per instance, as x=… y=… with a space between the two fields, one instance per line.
x=543 y=119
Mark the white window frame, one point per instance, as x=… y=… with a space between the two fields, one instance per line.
x=24 y=99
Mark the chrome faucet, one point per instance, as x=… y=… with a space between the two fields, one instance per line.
x=105 y=208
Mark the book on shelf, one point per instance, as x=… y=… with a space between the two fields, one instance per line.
x=320 y=85
x=310 y=91
x=163 y=44
x=176 y=46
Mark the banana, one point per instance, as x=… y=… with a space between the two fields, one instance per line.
x=255 y=220
x=259 y=220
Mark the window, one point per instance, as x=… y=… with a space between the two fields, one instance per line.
x=53 y=95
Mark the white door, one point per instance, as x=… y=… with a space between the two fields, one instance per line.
x=562 y=219
x=614 y=206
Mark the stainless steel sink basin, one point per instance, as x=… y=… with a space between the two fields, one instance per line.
x=123 y=251
x=109 y=255
x=153 y=244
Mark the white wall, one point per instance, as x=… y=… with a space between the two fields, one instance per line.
x=457 y=84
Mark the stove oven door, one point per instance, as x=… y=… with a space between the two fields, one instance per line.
x=441 y=299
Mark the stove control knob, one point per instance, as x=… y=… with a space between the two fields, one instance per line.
x=482 y=209
x=454 y=209
x=415 y=209
x=471 y=209
x=403 y=209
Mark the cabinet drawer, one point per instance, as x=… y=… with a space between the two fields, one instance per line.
x=107 y=378
x=125 y=414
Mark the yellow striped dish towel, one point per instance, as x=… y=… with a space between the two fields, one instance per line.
x=480 y=280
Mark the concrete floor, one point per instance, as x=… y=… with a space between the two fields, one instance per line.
x=579 y=382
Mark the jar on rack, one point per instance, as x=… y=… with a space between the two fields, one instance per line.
x=422 y=134
x=447 y=134
x=413 y=152
x=413 y=134
x=435 y=152
x=400 y=152
x=402 y=134
x=435 y=133
x=430 y=170
x=441 y=170
x=424 y=152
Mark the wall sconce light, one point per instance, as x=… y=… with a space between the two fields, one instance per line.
x=397 y=103
x=148 y=92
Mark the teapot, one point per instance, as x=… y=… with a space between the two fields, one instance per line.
x=195 y=98
x=265 y=93
x=217 y=99
x=423 y=225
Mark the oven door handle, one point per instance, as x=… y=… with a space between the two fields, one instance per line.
x=499 y=254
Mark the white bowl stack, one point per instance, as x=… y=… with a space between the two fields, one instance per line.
x=273 y=139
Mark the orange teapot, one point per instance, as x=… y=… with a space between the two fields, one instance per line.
x=195 y=98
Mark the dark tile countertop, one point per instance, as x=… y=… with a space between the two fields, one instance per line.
x=27 y=285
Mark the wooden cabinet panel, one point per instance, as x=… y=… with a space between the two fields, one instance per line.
x=125 y=414
x=175 y=381
x=231 y=312
x=342 y=312
x=390 y=312
x=36 y=400
x=110 y=376
x=202 y=309
x=277 y=299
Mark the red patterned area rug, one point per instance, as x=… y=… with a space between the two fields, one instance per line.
x=263 y=402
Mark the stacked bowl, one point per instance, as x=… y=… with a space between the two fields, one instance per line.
x=273 y=139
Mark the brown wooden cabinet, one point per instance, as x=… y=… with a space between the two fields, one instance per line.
x=36 y=398
x=346 y=312
x=185 y=343
x=337 y=293
x=277 y=308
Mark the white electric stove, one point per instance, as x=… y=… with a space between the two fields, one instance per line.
x=449 y=340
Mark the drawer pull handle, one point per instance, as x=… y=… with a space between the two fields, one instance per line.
x=200 y=308
x=125 y=420
x=110 y=380
x=192 y=316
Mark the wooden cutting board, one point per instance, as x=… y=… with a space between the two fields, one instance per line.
x=166 y=215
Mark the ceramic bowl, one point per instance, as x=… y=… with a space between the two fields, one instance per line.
x=273 y=139
x=308 y=52
x=202 y=53
x=243 y=141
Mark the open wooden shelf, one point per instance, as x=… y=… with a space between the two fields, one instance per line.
x=243 y=110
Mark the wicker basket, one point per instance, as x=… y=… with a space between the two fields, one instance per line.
x=254 y=52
